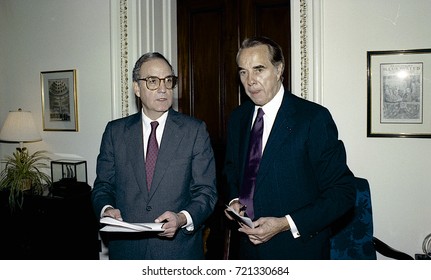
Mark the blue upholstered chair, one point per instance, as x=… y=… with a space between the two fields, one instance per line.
x=353 y=233
x=352 y=237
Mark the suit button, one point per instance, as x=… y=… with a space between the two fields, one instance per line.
x=149 y=208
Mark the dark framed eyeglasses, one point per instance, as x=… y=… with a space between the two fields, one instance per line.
x=153 y=82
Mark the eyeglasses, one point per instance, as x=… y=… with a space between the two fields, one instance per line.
x=153 y=83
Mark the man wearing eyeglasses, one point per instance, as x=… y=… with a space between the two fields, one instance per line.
x=156 y=166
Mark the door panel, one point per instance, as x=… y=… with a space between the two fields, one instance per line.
x=207 y=45
x=270 y=18
x=209 y=35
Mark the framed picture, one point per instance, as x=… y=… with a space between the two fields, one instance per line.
x=59 y=100
x=399 y=93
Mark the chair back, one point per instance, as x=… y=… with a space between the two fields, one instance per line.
x=353 y=233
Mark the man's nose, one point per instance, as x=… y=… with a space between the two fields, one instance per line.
x=251 y=80
x=162 y=86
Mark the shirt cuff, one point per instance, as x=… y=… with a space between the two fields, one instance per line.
x=189 y=225
x=233 y=200
x=104 y=209
x=293 y=228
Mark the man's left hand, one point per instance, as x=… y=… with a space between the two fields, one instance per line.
x=171 y=223
x=265 y=228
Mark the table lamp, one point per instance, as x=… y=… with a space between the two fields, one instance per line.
x=23 y=171
x=19 y=127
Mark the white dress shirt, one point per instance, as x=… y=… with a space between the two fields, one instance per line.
x=271 y=109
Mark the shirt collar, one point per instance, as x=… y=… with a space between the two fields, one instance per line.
x=271 y=108
x=162 y=119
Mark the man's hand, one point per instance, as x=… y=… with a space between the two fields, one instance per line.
x=238 y=207
x=265 y=228
x=113 y=213
x=171 y=223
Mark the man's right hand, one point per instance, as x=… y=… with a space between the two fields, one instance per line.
x=113 y=213
x=237 y=206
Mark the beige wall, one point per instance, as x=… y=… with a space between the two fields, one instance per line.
x=398 y=169
x=51 y=35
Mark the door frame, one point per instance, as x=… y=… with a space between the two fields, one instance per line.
x=138 y=26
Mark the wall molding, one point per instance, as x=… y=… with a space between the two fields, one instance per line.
x=303 y=36
x=139 y=26
x=120 y=57
x=124 y=58
x=307 y=54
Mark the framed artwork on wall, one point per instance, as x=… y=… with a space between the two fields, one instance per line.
x=399 y=93
x=59 y=100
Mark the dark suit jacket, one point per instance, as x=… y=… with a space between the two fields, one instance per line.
x=184 y=179
x=302 y=172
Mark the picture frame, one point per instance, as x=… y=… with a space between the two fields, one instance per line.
x=399 y=93
x=59 y=100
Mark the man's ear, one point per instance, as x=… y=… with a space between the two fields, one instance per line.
x=280 y=70
x=136 y=89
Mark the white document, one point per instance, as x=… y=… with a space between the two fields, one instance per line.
x=245 y=220
x=114 y=225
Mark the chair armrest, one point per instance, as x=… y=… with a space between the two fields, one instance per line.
x=388 y=251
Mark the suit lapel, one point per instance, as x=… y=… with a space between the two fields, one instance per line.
x=281 y=130
x=135 y=149
x=244 y=130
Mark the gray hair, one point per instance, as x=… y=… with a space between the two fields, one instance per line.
x=147 y=57
x=275 y=51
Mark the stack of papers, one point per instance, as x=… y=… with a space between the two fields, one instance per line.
x=114 y=225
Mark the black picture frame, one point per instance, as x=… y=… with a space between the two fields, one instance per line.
x=59 y=100
x=399 y=93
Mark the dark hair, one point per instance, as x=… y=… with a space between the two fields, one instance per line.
x=275 y=51
x=147 y=57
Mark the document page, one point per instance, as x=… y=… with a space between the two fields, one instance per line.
x=244 y=220
x=114 y=225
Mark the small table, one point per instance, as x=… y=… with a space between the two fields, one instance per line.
x=49 y=227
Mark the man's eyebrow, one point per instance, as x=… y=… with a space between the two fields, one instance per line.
x=259 y=67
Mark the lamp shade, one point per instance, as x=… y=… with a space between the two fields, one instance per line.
x=19 y=127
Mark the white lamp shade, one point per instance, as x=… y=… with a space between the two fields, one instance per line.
x=19 y=127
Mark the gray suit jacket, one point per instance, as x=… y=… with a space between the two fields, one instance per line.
x=184 y=179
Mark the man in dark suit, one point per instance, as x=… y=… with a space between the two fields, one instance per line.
x=182 y=192
x=303 y=183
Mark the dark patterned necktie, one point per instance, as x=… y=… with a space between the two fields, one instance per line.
x=152 y=151
x=252 y=164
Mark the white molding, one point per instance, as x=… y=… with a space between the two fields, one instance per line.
x=124 y=57
x=317 y=66
x=120 y=74
x=307 y=59
x=115 y=59
x=167 y=30
x=148 y=28
x=295 y=55
x=159 y=31
x=170 y=39
x=304 y=47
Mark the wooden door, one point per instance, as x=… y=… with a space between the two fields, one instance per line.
x=209 y=35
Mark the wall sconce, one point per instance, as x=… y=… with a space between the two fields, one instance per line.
x=19 y=127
